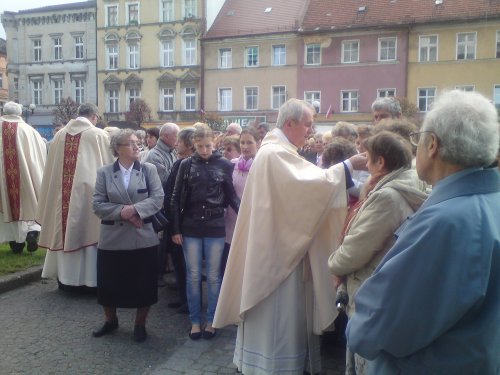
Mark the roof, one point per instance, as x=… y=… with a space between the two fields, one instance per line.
x=53 y=8
x=351 y=14
x=256 y=17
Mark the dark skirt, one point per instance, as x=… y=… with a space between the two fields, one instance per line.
x=127 y=278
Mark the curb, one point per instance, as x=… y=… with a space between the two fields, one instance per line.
x=21 y=278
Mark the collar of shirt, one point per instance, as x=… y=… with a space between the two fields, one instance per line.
x=126 y=174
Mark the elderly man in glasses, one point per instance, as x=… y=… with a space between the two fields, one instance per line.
x=432 y=305
x=70 y=230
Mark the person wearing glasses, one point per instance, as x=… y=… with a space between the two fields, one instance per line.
x=432 y=305
x=386 y=107
x=127 y=193
x=70 y=230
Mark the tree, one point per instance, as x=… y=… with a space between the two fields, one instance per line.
x=214 y=121
x=409 y=110
x=66 y=110
x=139 y=112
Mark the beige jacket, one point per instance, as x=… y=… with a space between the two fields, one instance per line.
x=370 y=233
x=291 y=210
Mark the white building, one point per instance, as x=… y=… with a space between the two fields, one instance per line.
x=51 y=54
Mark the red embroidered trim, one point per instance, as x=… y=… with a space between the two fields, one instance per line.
x=11 y=167
x=69 y=166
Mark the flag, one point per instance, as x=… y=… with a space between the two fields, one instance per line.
x=329 y=111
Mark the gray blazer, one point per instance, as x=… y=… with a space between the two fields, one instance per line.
x=109 y=198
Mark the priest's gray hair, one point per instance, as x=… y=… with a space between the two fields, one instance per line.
x=87 y=110
x=119 y=137
x=466 y=124
x=292 y=109
x=12 y=108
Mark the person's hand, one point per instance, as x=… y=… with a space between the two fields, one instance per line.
x=128 y=212
x=358 y=161
x=177 y=239
x=136 y=221
x=337 y=281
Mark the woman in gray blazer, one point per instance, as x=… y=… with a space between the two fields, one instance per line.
x=127 y=193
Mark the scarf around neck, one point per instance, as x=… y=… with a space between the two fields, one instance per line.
x=244 y=165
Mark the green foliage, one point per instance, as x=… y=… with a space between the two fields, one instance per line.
x=10 y=262
x=66 y=110
x=139 y=112
x=213 y=120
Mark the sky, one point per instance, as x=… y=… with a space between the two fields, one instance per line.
x=15 y=6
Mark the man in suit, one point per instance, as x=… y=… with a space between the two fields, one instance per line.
x=22 y=158
x=70 y=230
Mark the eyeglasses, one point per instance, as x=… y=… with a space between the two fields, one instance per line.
x=130 y=144
x=415 y=137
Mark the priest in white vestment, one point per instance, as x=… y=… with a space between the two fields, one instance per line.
x=70 y=230
x=277 y=286
x=22 y=158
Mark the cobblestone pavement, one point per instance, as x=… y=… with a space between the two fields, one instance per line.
x=47 y=331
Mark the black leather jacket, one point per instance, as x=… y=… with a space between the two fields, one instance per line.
x=200 y=195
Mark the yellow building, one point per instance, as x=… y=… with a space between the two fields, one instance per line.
x=454 y=55
x=150 y=50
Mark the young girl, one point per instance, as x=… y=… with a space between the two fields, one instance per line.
x=249 y=144
x=203 y=189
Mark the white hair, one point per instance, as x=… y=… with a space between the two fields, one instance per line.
x=234 y=126
x=466 y=124
x=13 y=109
x=389 y=104
x=169 y=128
x=292 y=109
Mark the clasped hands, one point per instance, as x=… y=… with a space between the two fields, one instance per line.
x=129 y=213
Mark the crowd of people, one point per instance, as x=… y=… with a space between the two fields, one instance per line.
x=401 y=221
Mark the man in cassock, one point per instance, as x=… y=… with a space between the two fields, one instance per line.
x=22 y=158
x=432 y=305
x=70 y=230
x=277 y=285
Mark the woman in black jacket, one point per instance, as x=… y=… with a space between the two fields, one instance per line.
x=203 y=189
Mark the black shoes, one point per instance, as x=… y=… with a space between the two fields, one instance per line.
x=139 y=333
x=175 y=305
x=195 y=335
x=207 y=335
x=32 y=241
x=16 y=247
x=107 y=328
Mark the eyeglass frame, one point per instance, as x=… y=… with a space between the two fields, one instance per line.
x=417 y=134
x=130 y=144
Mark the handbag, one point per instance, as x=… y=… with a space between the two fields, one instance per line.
x=159 y=219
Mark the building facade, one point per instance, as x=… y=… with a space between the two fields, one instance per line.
x=51 y=56
x=150 y=50
x=4 y=84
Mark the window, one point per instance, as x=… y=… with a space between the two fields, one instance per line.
x=425 y=98
x=78 y=47
x=36 y=94
x=496 y=96
x=132 y=94
x=251 y=56
x=189 y=8
x=313 y=54
x=384 y=93
x=57 y=48
x=278 y=96
x=350 y=101
x=133 y=55
x=279 y=54
x=111 y=15
x=133 y=13
x=112 y=56
x=350 y=51
x=251 y=98
x=387 y=49
x=167 y=10
x=112 y=101
x=497 y=54
x=190 y=99
x=167 y=52
x=189 y=52
x=312 y=96
x=466 y=46
x=427 y=47
x=167 y=95
x=225 y=58
x=466 y=88
x=58 y=90
x=37 y=50
x=79 y=86
x=225 y=99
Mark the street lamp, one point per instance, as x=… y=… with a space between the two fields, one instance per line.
x=27 y=110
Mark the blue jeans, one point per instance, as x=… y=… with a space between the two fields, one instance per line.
x=194 y=249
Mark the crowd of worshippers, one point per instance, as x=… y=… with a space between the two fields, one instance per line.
x=333 y=224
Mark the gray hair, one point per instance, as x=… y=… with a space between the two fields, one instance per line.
x=186 y=136
x=389 y=104
x=118 y=137
x=292 y=109
x=140 y=133
x=87 y=110
x=466 y=124
x=13 y=109
x=234 y=126
x=168 y=128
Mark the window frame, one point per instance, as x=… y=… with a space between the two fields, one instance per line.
x=281 y=55
x=79 y=47
x=131 y=98
x=189 y=54
x=137 y=19
x=112 y=56
x=256 y=96
x=311 y=100
x=57 y=92
x=465 y=46
x=79 y=90
x=224 y=101
x=193 y=6
x=57 y=48
x=112 y=102
x=496 y=95
x=255 y=63
x=344 y=43
x=497 y=45
x=228 y=59
x=37 y=50
x=312 y=54
x=466 y=88
x=164 y=11
x=379 y=91
x=350 y=101
x=428 y=99
x=37 y=92
x=133 y=55
x=107 y=15
x=380 y=48
x=429 y=47
x=167 y=93
x=273 y=95
x=191 y=95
